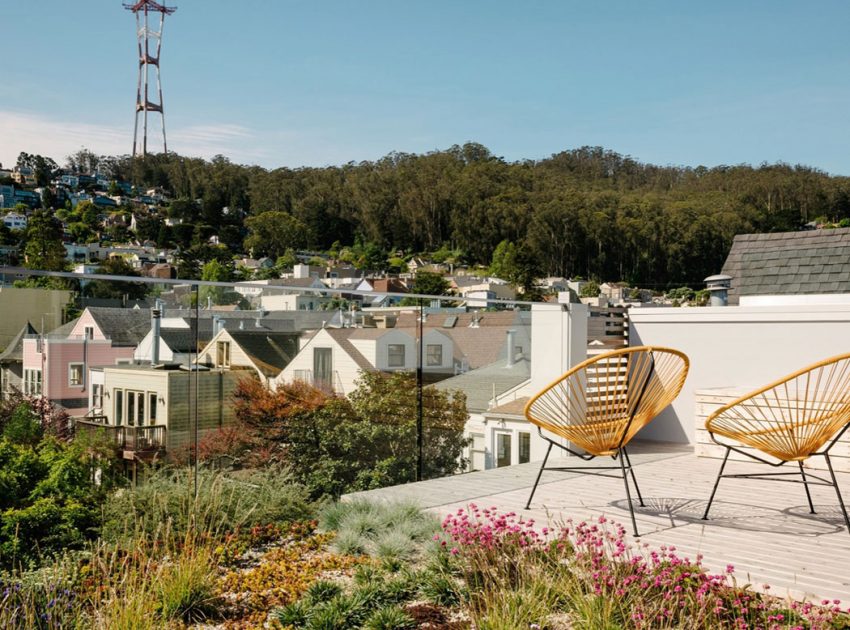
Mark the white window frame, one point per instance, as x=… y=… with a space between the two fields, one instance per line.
x=82 y=381
x=152 y=407
x=118 y=406
x=519 y=438
x=33 y=382
x=88 y=332
x=222 y=354
x=511 y=446
x=439 y=355
x=391 y=347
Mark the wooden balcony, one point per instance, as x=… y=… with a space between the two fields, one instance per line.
x=133 y=442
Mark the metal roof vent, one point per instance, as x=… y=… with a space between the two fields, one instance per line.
x=718 y=285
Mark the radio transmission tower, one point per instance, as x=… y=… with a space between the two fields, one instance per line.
x=150 y=45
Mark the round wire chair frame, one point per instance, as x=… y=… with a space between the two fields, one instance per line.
x=771 y=421
x=601 y=404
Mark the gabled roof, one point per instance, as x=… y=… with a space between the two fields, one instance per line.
x=269 y=351
x=478 y=385
x=14 y=352
x=182 y=340
x=815 y=261
x=124 y=326
x=341 y=336
x=65 y=329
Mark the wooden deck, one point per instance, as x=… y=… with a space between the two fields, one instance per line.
x=763 y=528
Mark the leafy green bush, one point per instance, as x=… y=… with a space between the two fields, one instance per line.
x=336 y=445
x=50 y=490
x=224 y=503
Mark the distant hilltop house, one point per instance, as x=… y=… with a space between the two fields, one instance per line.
x=15 y=221
x=814 y=262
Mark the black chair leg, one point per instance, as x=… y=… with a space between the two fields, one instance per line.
x=629 y=494
x=837 y=491
x=716 y=483
x=808 y=494
x=634 y=479
x=539 y=474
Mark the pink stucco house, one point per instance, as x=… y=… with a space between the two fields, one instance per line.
x=56 y=365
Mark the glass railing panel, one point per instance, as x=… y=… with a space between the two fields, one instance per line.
x=351 y=389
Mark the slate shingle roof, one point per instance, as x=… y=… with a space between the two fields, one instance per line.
x=124 y=326
x=270 y=351
x=816 y=261
x=14 y=352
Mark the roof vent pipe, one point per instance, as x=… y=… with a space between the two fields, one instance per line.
x=156 y=320
x=719 y=285
x=218 y=324
x=511 y=333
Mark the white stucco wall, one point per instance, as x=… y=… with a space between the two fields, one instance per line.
x=737 y=346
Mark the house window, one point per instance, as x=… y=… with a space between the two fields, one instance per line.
x=32 y=382
x=222 y=354
x=434 y=355
x=152 y=407
x=88 y=332
x=524 y=447
x=97 y=396
x=75 y=375
x=323 y=368
x=395 y=355
x=503 y=449
x=118 y=396
x=131 y=409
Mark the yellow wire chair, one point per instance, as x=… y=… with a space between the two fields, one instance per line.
x=792 y=419
x=600 y=404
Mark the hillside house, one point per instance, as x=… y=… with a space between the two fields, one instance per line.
x=266 y=353
x=56 y=365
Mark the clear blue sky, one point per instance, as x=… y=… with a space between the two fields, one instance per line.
x=278 y=82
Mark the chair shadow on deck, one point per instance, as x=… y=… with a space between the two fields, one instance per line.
x=795 y=521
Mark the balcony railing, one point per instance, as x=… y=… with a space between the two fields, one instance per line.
x=333 y=385
x=138 y=439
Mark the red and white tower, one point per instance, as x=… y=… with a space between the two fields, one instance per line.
x=150 y=45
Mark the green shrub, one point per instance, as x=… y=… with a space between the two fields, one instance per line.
x=439 y=588
x=293 y=614
x=47 y=525
x=390 y=618
x=322 y=591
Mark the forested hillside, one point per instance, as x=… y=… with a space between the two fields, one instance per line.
x=584 y=212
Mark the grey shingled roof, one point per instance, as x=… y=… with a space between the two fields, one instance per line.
x=124 y=326
x=816 y=261
x=14 y=352
x=64 y=330
x=270 y=351
x=478 y=385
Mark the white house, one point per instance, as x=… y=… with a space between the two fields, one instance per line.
x=264 y=352
x=15 y=221
x=335 y=357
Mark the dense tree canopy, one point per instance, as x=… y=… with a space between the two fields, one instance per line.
x=585 y=212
